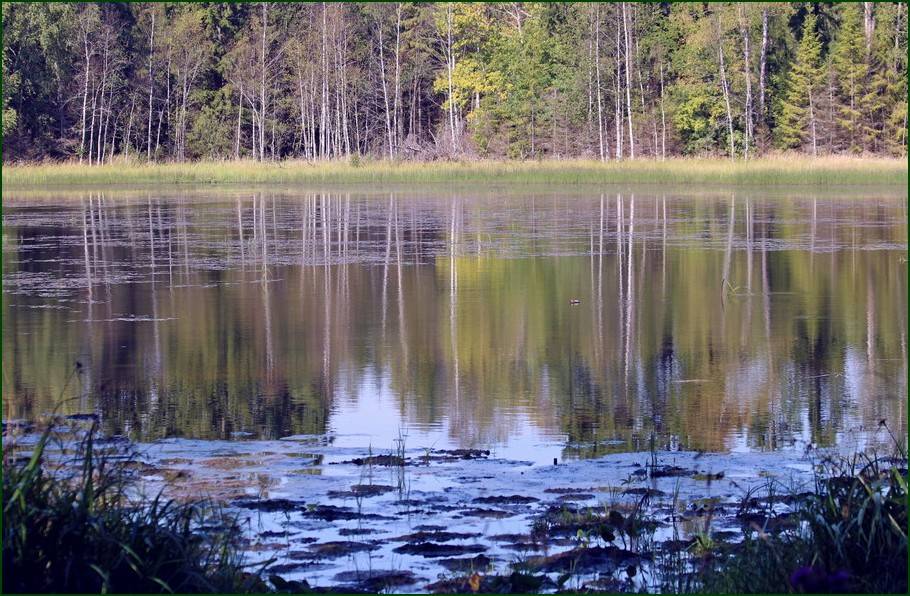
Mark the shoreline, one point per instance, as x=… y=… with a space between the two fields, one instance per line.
x=310 y=513
x=767 y=172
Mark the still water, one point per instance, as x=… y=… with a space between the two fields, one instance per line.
x=539 y=324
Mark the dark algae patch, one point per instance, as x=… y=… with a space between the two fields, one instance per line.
x=331 y=550
x=586 y=560
x=432 y=549
x=377 y=580
x=435 y=535
x=511 y=533
x=506 y=500
x=362 y=490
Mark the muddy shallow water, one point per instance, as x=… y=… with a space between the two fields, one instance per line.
x=381 y=381
x=420 y=520
x=438 y=513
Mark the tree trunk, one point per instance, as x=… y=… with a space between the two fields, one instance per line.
x=181 y=118
x=723 y=83
x=99 y=142
x=762 y=111
x=91 y=128
x=324 y=104
x=343 y=53
x=239 y=118
x=617 y=94
x=663 y=117
x=747 y=73
x=88 y=61
x=167 y=102
x=385 y=91
x=109 y=153
x=129 y=130
x=591 y=80
x=641 y=86
x=106 y=113
x=812 y=125
x=151 y=87
x=600 y=117
x=450 y=67
x=868 y=25
x=625 y=26
x=397 y=96
x=262 y=95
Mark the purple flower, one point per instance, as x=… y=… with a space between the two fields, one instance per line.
x=818 y=581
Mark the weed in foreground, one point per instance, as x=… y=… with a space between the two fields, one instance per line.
x=851 y=537
x=75 y=526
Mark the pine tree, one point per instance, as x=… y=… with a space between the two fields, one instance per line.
x=850 y=74
x=887 y=92
x=797 y=116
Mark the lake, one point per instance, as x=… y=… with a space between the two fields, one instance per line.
x=541 y=325
x=377 y=384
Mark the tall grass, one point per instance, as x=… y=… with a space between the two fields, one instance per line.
x=771 y=171
x=851 y=536
x=73 y=527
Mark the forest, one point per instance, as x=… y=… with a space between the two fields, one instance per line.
x=173 y=82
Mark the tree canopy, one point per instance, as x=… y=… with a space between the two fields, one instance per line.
x=266 y=81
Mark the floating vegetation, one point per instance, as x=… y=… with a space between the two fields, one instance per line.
x=645 y=533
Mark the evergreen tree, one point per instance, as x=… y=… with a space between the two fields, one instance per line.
x=849 y=74
x=95 y=82
x=886 y=97
x=797 y=122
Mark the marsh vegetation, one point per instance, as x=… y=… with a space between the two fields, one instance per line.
x=783 y=171
x=837 y=526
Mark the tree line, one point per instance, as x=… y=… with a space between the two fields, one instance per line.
x=268 y=81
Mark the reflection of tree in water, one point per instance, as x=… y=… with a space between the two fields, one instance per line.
x=257 y=311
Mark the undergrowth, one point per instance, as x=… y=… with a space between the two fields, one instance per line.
x=74 y=525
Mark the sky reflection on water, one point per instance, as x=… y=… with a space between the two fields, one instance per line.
x=732 y=321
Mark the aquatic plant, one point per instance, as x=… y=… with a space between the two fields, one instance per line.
x=850 y=536
x=76 y=526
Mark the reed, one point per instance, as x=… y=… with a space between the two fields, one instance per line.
x=74 y=527
x=776 y=171
x=850 y=535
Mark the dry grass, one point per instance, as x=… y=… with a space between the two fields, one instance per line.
x=782 y=170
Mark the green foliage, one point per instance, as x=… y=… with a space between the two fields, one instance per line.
x=852 y=538
x=698 y=117
x=850 y=72
x=797 y=117
x=211 y=135
x=858 y=521
x=524 y=79
x=36 y=64
x=76 y=530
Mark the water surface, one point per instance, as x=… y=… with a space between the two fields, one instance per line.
x=543 y=324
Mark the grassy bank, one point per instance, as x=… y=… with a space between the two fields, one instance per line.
x=77 y=528
x=771 y=172
x=848 y=535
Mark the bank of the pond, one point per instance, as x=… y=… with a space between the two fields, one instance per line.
x=302 y=514
x=784 y=170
